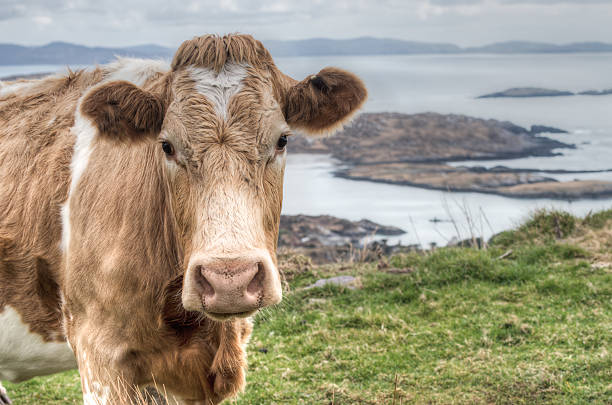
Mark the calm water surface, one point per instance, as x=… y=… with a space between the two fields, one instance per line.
x=450 y=84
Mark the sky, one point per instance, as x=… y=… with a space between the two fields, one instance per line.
x=168 y=23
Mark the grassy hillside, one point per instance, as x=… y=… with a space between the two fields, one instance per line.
x=526 y=321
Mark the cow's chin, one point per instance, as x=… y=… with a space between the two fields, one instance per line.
x=228 y=317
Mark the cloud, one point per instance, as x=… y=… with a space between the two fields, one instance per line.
x=42 y=20
x=204 y=10
x=27 y=8
x=124 y=22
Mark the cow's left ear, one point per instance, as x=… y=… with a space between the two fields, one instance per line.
x=321 y=103
x=121 y=108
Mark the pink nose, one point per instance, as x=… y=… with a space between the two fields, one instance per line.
x=230 y=286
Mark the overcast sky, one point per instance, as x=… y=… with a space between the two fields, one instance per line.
x=165 y=22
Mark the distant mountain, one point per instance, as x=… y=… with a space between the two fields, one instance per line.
x=57 y=53
x=356 y=46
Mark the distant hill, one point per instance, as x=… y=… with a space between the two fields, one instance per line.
x=57 y=53
x=356 y=46
x=68 y=53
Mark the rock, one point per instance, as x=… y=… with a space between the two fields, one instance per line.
x=317 y=301
x=325 y=230
x=344 y=281
x=540 y=129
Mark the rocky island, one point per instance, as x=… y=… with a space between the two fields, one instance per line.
x=506 y=182
x=415 y=150
x=326 y=230
x=528 y=92
x=524 y=92
x=605 y=92
x=326 y=239
x=374 y=138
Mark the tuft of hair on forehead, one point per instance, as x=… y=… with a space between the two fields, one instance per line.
x=213 y=51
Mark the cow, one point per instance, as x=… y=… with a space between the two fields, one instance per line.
x=139 y=213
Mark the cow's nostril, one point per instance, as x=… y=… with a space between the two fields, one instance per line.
x=206 y=286
x=256 y=284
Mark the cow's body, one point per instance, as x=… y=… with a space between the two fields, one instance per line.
x=104 y=261
x=36 y=118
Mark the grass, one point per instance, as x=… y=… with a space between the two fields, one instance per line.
x=527 y=321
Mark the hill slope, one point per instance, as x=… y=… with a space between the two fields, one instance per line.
x=527 y=321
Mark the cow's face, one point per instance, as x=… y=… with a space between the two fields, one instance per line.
x=222 y=136
x=224 y=145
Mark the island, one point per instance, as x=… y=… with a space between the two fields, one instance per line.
x=427 y=137
x=415 y=150
x=605 y=92
x=325 y=230
x=525 y=92
x=328 y=239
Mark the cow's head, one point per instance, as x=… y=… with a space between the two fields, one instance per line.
x=222 y=117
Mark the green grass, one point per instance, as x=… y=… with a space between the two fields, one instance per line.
x=461 y=326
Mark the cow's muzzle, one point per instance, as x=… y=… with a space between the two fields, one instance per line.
x=227 y=286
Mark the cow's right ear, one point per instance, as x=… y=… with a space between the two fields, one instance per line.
x=120 y=108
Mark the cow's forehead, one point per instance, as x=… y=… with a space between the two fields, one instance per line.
x=218 y=87
x=235 y=107
x=238 y=98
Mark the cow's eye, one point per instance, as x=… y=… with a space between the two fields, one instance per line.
x=282 y=142
x=167 y=148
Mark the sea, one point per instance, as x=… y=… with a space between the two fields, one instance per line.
x=451 y=84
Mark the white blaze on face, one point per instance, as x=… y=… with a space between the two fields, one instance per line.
x=227 y=212
x=24 y=354
x=219 y=88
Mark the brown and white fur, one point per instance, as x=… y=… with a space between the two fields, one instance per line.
x=140 y=206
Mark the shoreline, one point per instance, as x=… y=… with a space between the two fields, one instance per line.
x=534 y=196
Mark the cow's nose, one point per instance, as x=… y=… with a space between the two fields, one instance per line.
x=225 y=286
x=231 y=288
